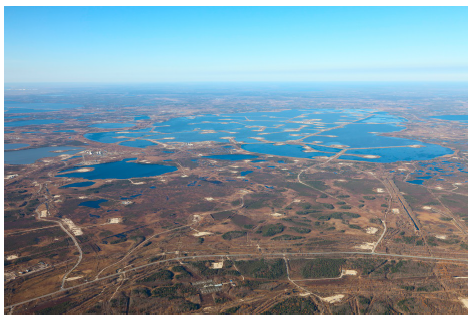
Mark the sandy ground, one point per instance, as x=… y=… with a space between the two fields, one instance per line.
x=334 y=298
x=44 y=213
x=349 y=272
x=464 y=301
x=74 y=278
x=217 y=265
x=10 y=257
x=368 y=156
x=201 y=233
x=84 y=170
x=76 y=230
x=371 y=230
x=368 y=245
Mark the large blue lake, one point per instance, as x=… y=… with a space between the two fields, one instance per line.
x=32 y=122
x=28 y=156
x=124 y=169
x=460 y=118
x=18 y=107
x=13 y=146
x=293 y=133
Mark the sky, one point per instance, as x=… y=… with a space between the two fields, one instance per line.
x=285 y=44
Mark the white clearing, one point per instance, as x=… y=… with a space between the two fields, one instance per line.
x=367 y=245
x=44 y=213
x=10 y=257
x=464 y=301
x=440 y=236
x=209 y=198
x=276 y=214
x=201 y=233
x=334 y=298
x=427 y=208
x=115 y=220
x=305 y=294
x=395 y=211
x=379 y=190
x=371 y=230
x=217 y=265
x=74 y=278
x=75 y=229
x=349 y=272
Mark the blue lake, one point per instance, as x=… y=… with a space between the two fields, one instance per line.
x=137 y=143
x=31 y=155
x=141 y=117
x=32 y=122
x=93 y=203
x=244 y=173
x=112 y=125
x=79 y=184
x=64 y=131
x=13 y=146
x=323 y=130
x=17 y=107
x=418 y=182
x=124 y=169
x=460 y=118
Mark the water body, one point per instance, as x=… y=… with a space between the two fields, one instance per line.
x=131 y=197
x=124 y=169
x=13 y=146
x=64 y=131
x=460 y=118
x=79 y=184
x=296 y=151
x=245 y=173
x=32 y=122
x=18 y=107
x=93 y=203
x=29 y=156
x=231 y=157
x=141 y=117
x=418 y=182
x=351 y=128
x=429 y=151
x=137 y=143
x=112 y=125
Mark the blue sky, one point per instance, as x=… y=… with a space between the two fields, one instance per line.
x=161 y=44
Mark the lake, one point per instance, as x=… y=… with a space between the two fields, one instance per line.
x=13 y=146
x=29 y=156
x=93 y=203
x=299 y=133
x=18 y=107
x=79 y=184
x=32 y=122
x=124 y=169
x=460 y=118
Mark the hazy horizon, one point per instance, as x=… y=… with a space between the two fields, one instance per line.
x=235 y=44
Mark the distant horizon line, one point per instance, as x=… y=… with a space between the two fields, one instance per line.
x=230 y=81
